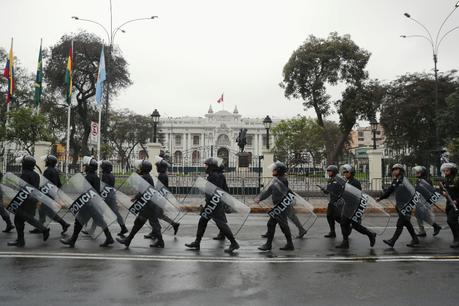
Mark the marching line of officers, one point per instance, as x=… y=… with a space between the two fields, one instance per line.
x=216 y=211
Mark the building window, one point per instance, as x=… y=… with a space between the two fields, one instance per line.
x=178 y=157
x=249 y=139
x=178 y=140
x=196 y=158
x=263 y=140
x=223 y=140
x=360 y=134
x=195 y=140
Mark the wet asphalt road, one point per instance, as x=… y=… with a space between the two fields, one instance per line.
x=315 y=273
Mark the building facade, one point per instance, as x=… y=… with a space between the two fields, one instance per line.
x=189 y=140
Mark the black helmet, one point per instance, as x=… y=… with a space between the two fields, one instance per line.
x=398 y=166
x=90 y=163
x=348 y=168
x=212 y=164
x=50 y=161
x=106 y=166
x=28 y=162
x=279 y=167
x=143 y=166
x=333 y=168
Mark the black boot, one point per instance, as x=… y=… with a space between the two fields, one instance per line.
x=123 y=231
x=65 y=227
x=195 y=245
x=158 y=244
x=108 y=238
x=45 y=234
x=233 y=246
x=372 y=237
x=220 y=236
x=391 y=242
x=124 y=240
x=175 y=226
x=69 y=241
x=301 y=233
x=17 y=243
x=9 y=228
x=343 y=245
x=288 y=247
x=330 y=235
x=265 y=247
x=437 y=229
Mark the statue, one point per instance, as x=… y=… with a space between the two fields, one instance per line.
x=242 y=139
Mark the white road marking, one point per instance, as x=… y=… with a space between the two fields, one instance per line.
x=249 y=260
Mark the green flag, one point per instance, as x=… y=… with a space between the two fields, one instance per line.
x=39 y=80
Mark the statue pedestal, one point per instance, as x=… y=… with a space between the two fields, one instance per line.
x=153 y=151
x=375 y=171
x=243 y=160
x=41 y=149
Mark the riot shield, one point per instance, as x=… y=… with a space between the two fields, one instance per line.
x=55 y=193
x=406 y=197
x=363 y=209
x=169 y=196
x=17 y=192
x=219 y=205
x=287 y=206
x=429 y=197
x=87 y=205
x=142 y=196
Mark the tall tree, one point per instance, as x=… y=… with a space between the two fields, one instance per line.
x=319 y=63
x=86 y=54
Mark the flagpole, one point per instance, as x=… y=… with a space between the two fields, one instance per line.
x=67 y=147
x=37 y=107
x=98 y=135
x=7 y=121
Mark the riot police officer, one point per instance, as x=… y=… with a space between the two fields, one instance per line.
x=346 y=223
x=27 y=210
x=221 y=172
x=278 y=170
x=150 y=212
x=161 y=166
x=398 y=172
x=52 y=175
x=334 y=189
x=90 y=165
x=4 y=213
x=218 y=214
x=109 y=179
x=451 y=185
x=421 y=174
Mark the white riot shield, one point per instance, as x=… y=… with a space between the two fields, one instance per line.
x=430 y=197
x=360 y=208
x=87 y=205
x=218 y=205
x=169 y=196
x=287 y=206
x=55 y=193
x=17 y=192
x=144 y=198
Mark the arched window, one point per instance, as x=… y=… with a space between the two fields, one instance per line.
x=178 y=157
x=223 y=140
x=196 y=158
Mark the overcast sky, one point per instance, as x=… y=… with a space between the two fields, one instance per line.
x=183 y=61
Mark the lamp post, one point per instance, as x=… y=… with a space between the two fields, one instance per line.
x=111 y=33
x=267 y=124
x=374 y=128
x=435 y=43
x=155 y=116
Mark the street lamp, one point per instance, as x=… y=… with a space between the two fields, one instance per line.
x=155 y=116
x=267 y=123
x=374 y=128
x=435 y=45
x=110 y=39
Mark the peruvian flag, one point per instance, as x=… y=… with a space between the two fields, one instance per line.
x=220 y=100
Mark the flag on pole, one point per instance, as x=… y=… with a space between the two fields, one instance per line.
x=68 y=76
x=39 y=80
x=101 y=76
x=220 y=100
x=9 y=74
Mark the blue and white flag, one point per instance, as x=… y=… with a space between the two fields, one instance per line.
x=101 y=76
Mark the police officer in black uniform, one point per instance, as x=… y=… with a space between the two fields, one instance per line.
x=346 y=223
x=221 y=172
x=26 y=211
x=334 y=189
x=421 y=174
x=162 y=166
x=90 y=167
x=398 y=172
x=279 y=171
x=52 y=175
x=218 y=214
x=4 y=213
x=150 y=212
x=109 y=179
x=451 y=185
